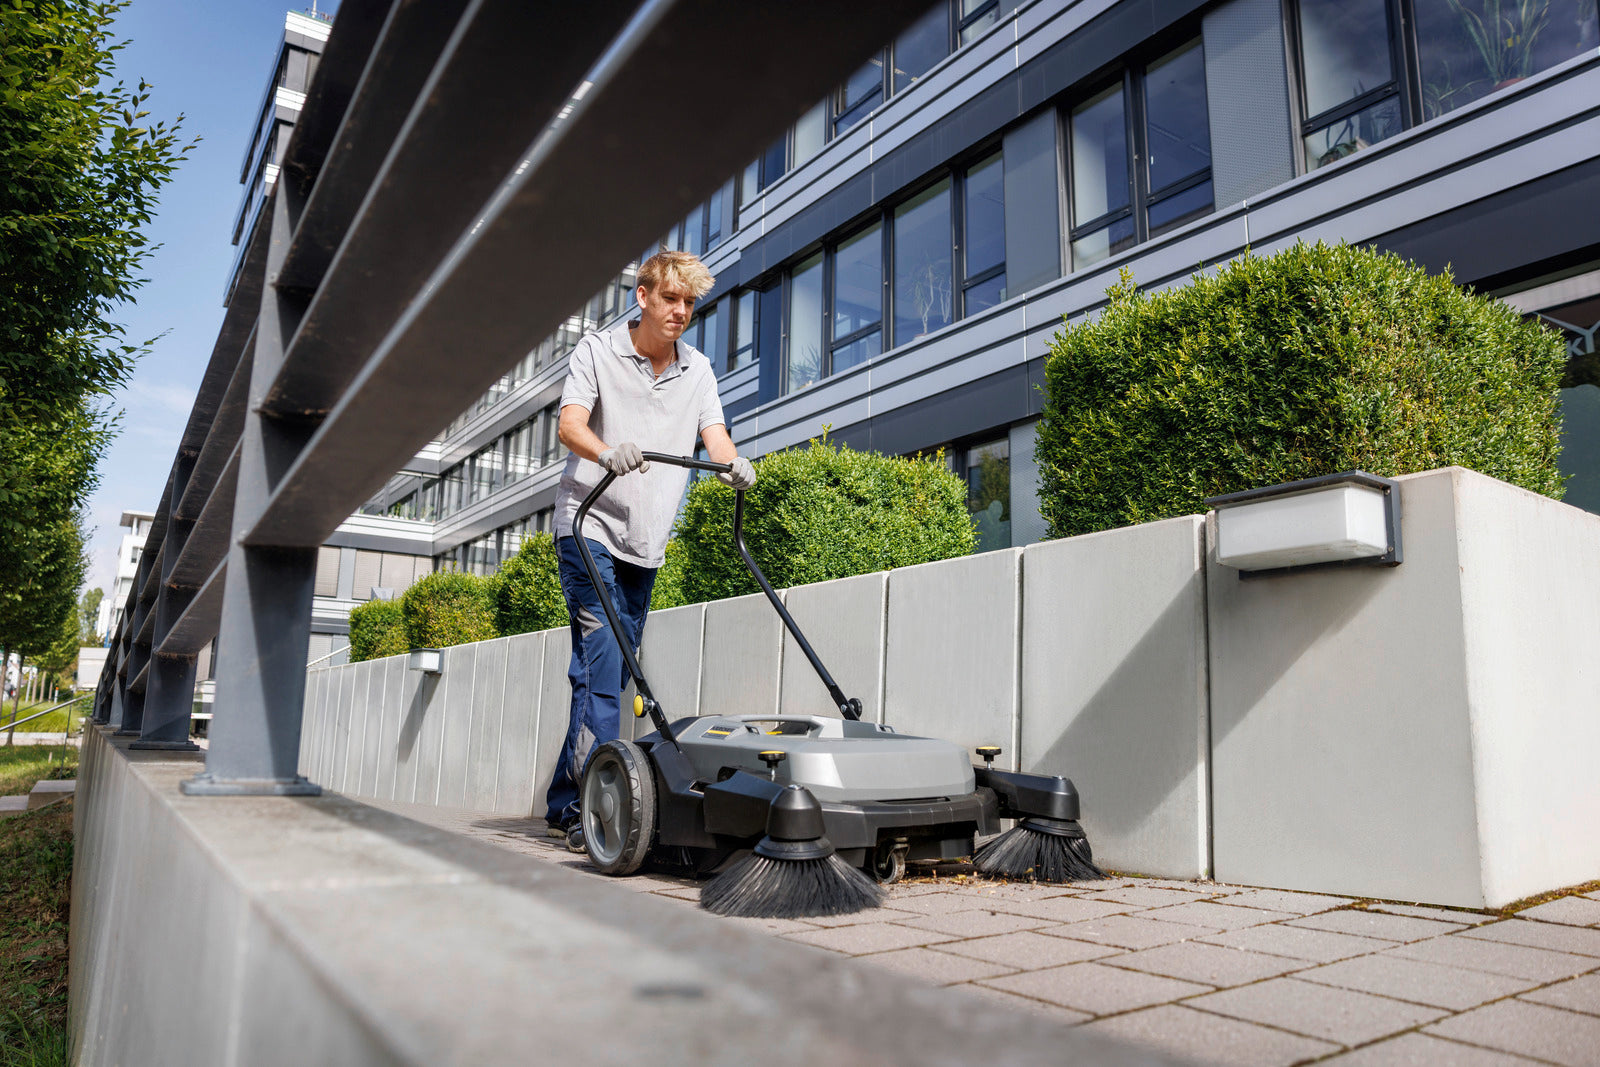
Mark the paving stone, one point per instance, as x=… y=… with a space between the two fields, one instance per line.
x=1553 y=936
x=937 y=968
x=1496 y=957
x=1285 y=900
x=13 y=805
x=1529 y=1029
x=975 y=923
x=1067 y=909
x=1129 y=931
x=944 y=903
x=1219 y=916
x=1574 y=911
x=1207 y=1038
x=1210 y=889
x=869 y=915
x=1012 y=1002
x=1020 y=890
x=874 y=937
x=772 y=926
x=1420 y=1050
x=1145 y=896
x=1210 y=964
x=1095 y=988
x=1578 y=994
x=1028 y=950
x=1414 y=980
x=1376 y=924
x=1320 y=946
x=1340 y=1015
x=1449 y=915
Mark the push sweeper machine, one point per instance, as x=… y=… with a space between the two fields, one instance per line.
x=816 y=813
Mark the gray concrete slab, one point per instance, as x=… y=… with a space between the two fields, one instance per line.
x=372 y=728
x=393 y=669
x=1205 y=1038
x=1494 y=957
x=952 y=650
x=1213 y=965
x=844 y=622
x=1557 y=937
x=519 y=725
x=1420 y=1050
x=1114 y=690
x=309 y=718
x=670 y=659
x=416 y=688
x=742 y=657
x=426 y=710
x=488 y=711
x=1423 y=983
x=1095 y=988
x=555 y=709
x=1577 y=994
x=459 y=662
x=343 y=697
x=1570 y=911
x=1377 y=924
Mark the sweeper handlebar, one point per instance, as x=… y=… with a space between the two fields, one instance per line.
x=849 y=707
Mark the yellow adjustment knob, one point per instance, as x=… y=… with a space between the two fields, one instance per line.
x=638 y=707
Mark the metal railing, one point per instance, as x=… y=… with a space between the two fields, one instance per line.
x=80 y=698
x=464 y=173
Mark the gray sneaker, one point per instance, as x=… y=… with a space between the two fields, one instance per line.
x=561 y=829
x=575 y=839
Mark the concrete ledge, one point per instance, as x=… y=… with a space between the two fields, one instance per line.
x=318 y=930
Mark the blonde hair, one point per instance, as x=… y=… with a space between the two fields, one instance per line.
x=681 y=267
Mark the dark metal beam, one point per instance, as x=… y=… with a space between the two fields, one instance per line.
x=221 y=442
x=501 y=78
x=207 y=543
x=198 y=622
x=398 y=65
x=233 y=338
x=339 y=69
x=580 y=203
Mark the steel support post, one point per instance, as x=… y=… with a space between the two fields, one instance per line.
x=265 y=629
x=138 y=651
x=169 y=692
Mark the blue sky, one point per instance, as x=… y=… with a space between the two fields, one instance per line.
x=210 y=62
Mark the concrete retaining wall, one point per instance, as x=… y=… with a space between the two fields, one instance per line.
x=1386 y=732
x=277 y=930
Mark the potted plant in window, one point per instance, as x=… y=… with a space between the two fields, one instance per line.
x=1504 y=35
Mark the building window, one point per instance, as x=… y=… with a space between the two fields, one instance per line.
x=976 y=16
x=710 y=335
x=987 y=470
x=803 y=362
x=983 y=247
x=857 y=333
x=810 y=133
x=1350 y=93
x=922 y=264
x=743 y=330
x=920 y=48
x=1116 y=204
x=521 y=454
x=860 y=93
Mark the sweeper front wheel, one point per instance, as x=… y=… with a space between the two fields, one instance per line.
x=618 y=807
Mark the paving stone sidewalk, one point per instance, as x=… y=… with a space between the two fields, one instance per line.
x=1214 y=973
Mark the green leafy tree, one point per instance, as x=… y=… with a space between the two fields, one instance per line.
x=32 y=620
x=1312 y=361
x=528 y=589
x=817 y=513
x=81 y=167
x=89 y=616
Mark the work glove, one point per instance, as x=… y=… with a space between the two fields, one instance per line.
x=624 y=459
x=742 y=477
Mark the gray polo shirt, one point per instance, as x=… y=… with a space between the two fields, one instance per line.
x=627 y=402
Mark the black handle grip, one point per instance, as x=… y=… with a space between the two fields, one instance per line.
x=688 y=461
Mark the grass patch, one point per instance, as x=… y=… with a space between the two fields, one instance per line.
x=35 y=881
x=22 y=765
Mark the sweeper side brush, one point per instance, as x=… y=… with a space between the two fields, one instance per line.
x=793 y=872
x=1043 y=850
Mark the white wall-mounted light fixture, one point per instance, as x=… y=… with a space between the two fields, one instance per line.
x=1336 y=520
x=426 y=660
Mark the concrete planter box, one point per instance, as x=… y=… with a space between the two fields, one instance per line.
x=1428 y=732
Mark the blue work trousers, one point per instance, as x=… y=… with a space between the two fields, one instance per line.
x=598 y=672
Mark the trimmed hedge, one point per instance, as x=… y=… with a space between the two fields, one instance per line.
x=816 y=513
x=449 y=608
x=377 y=630
x=1312 y=361
x=528 y=591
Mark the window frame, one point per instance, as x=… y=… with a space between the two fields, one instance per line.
x=1141 y=198
x=1400 y=34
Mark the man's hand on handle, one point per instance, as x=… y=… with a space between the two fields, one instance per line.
x=626 y=458
x=743 y=475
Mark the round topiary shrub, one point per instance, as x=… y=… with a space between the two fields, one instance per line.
x=528 y=589
x=817 y=513
x=1312 y=361
x=448 y=608
x=376 y=630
